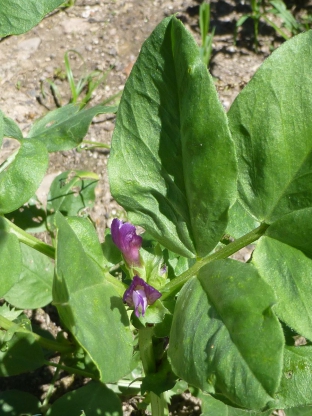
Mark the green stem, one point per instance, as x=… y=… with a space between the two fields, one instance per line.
x=29 y=239
x=158 y=403
x=64 y=347
x=71 y=370
x=87 y=145
x=175 y=285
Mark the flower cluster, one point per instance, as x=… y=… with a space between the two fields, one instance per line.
x=139 y=294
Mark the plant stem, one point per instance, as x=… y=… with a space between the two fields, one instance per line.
x=158 y=403
x=46 y=343
x=71 y=370
x=175 y=285
x=29 y=239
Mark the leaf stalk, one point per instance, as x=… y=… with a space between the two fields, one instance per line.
x=175 y=285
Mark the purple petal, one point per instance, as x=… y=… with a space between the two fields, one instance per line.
x=129 y=243
x=140 y=294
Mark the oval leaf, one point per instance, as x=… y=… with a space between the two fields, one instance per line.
x=10 y=261
x=19 y=16
x=224 y=329
x=65 y=127
x=90 y=307
x=93 y=399
x=172 y=165
x=16 y=403
x=22 y=177
x=271 y=124
x=34 y=287
x=288 y=272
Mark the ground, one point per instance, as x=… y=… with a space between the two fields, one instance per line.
x=108 y=34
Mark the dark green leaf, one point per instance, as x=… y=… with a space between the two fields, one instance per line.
x=65 y=127
x=10 y=261
x=224 y=335
x=172 y=165
x=89 y=305
x=271 y=126
x=93 y=399
x=18 y=403
x=21 y=178
x=161 y=381
x=34 y=287
x=21 y=352
x=19 y=16
x=288 y=271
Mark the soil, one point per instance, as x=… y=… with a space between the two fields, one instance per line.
x=108 y=34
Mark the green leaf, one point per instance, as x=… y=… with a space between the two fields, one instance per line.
x=17 y=403
x=71 y=193
x=89 y=305
x=294 y=229
x=85 y=231
x=11 y=129
x=161 y=381
x=34 y=287
x=240 y=221
x=225 y=337
x=295 y=388
x=22 y=176
x=93 y=399
x=18 y=16
x=65 y=127
x=268 y=117
x=10 y=261
x=21 y=352
x=211 y=406
x=299 y=411
x=288 y=272
x=173 y=146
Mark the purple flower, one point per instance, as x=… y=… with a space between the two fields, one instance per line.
x=139 y=294
x=128 y=242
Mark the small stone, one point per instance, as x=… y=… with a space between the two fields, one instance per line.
x=29 y=45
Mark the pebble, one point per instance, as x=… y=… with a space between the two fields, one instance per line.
x=29 y=45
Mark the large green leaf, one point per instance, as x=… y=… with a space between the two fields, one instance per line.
x=271 y=125
x=19 y=352
x=172 y=165
x=10 y=260
x=22 y=176
x=34 y=287
x=19 y=16
x=294 y=229
x=93 y=399
x=211 y=406
x=65 y=127
x=89 y=305
x=299 y=411
x=17 y=403
x=295 y=389
x=224 y=336
x=288 y=271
